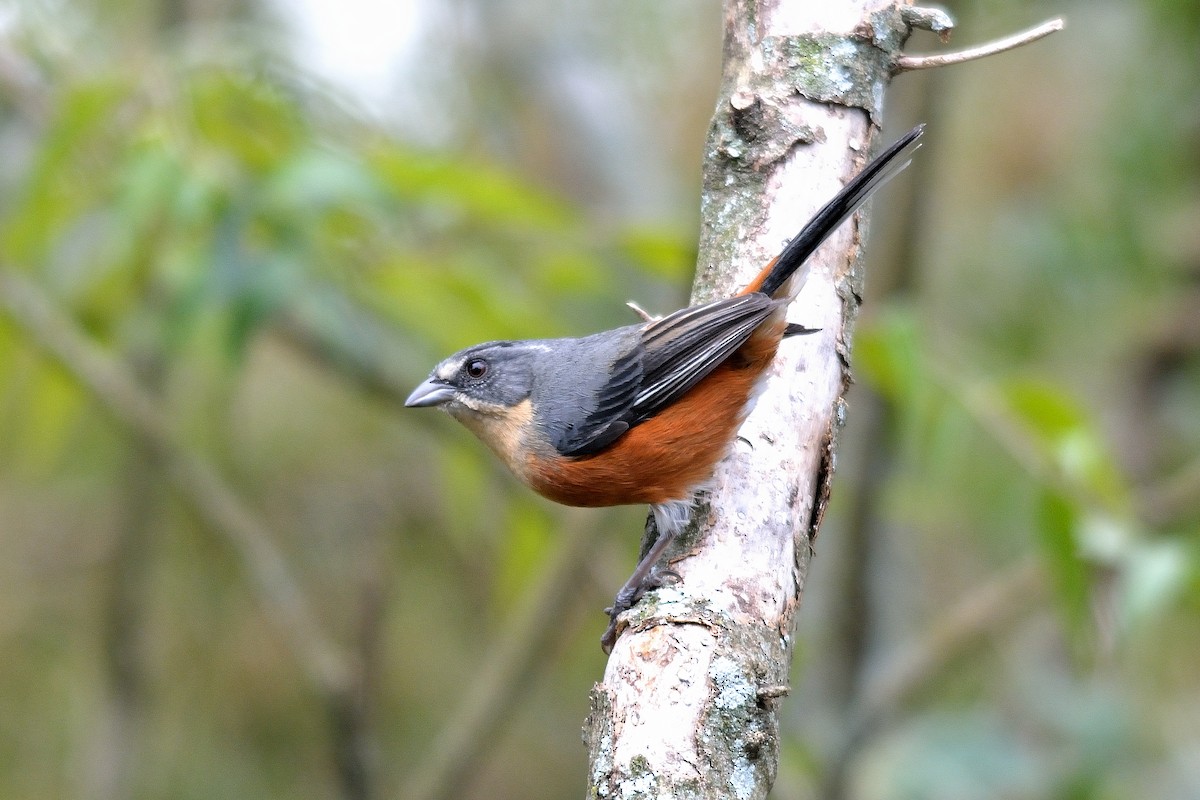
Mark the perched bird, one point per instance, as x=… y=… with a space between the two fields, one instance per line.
x=642 y=413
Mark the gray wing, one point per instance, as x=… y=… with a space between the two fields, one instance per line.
x=657 y=367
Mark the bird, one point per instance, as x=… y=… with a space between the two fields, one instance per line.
x=641 y=413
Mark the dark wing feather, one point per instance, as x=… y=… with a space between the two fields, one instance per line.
x=605 y=424
x=673 y=355
x=683 y=348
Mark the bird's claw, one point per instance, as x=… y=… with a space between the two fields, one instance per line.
x=610 y=636
x=660 y=577
x=629 y=596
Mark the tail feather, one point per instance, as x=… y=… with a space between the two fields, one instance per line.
x=833 y=214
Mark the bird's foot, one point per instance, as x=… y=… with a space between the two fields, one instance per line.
x=628 y=597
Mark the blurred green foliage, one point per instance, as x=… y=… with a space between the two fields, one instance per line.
x=275 y=268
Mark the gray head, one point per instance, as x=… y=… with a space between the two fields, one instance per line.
x=526 y=396
x=486 y=379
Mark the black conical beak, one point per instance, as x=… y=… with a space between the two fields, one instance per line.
x=432 y=392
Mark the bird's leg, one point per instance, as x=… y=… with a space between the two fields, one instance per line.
x=668 y=522
x=644 y=578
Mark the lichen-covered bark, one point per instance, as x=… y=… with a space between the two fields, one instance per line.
x=688 y=707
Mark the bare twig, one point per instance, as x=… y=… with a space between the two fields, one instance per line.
x=645 y=315
x=907 y=63
x=55 y=333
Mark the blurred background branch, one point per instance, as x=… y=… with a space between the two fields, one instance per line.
x=521 y=649
x=214 y=500
x=917 y=665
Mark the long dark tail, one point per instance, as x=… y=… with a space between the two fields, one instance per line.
x=833 y=214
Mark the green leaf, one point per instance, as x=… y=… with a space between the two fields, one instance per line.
x=247 y=124
x=69 y=171
x=315 y=182
x=889 y=355
x=1067 y=438
x=1058 y=522
x=475 y=192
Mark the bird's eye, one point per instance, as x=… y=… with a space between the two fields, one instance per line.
x=477 y=369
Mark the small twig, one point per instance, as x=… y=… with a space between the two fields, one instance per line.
x=641 y=312
x=907 y=63
x=122 y=397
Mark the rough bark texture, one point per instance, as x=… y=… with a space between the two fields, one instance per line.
x=688 y=707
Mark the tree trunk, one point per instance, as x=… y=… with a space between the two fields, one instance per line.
x=688 y=707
